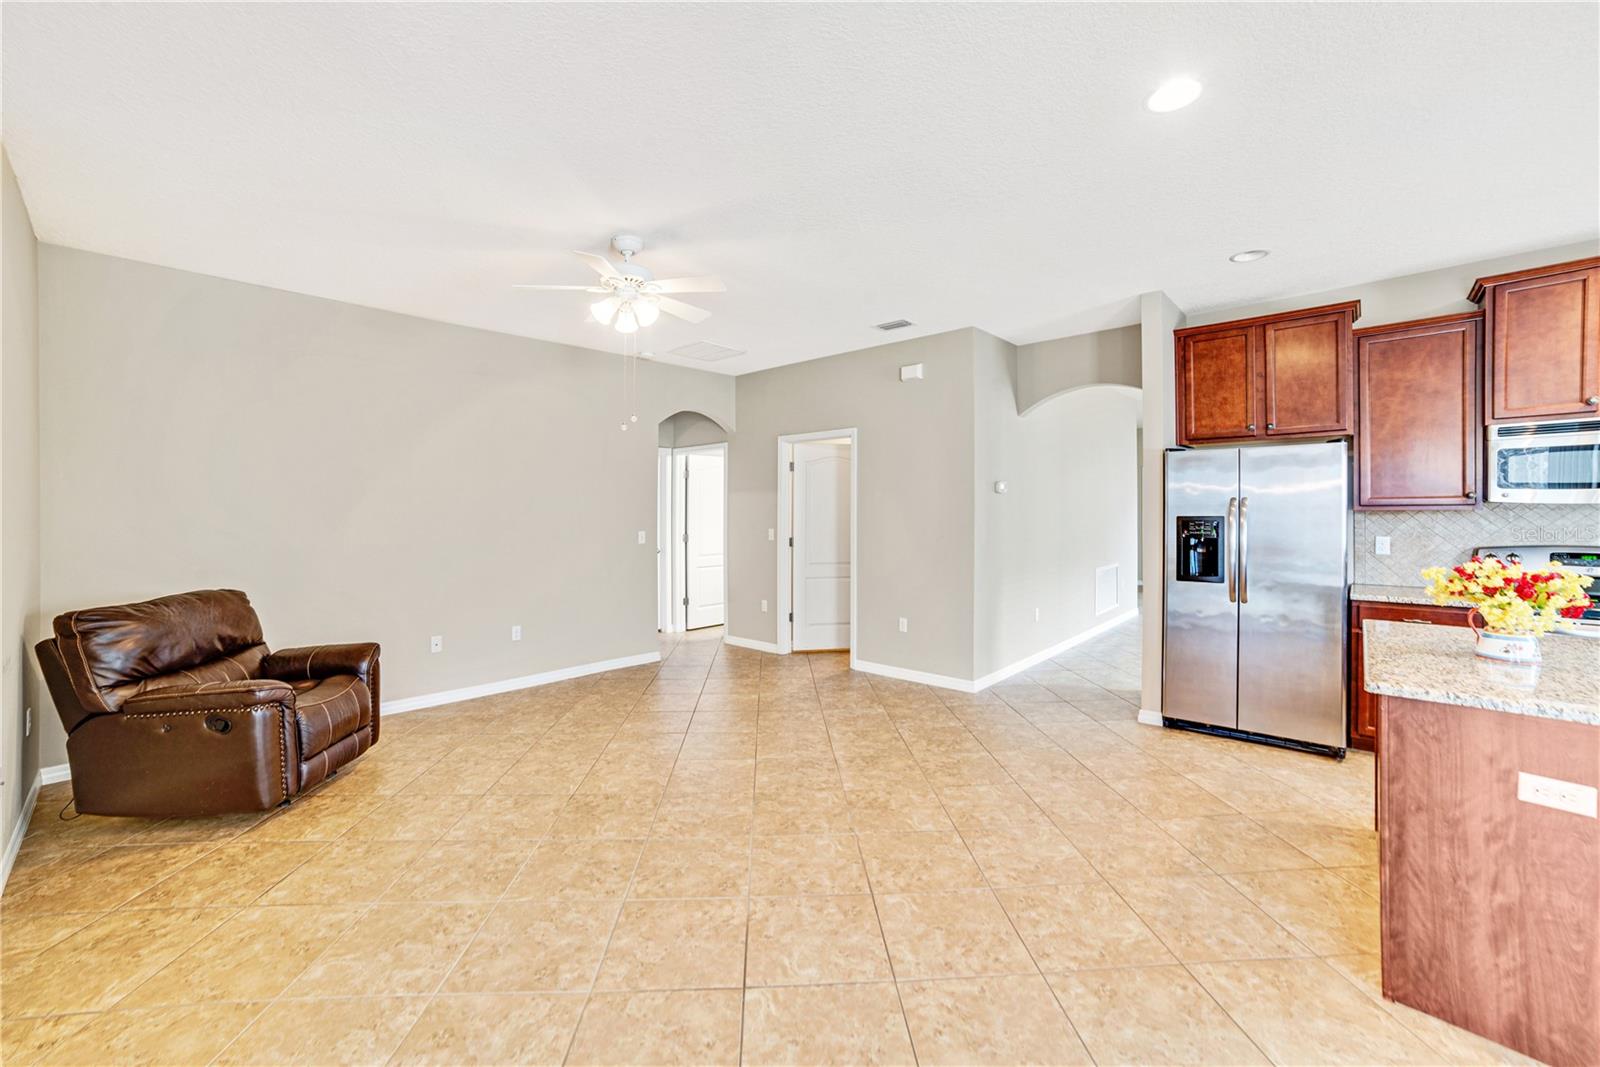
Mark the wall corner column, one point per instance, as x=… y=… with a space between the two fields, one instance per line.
x=1158 y=317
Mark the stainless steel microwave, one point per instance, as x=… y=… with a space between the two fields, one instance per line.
x=1545 y=462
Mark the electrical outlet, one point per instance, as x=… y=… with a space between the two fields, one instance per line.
x=772 y=535
x=902 y=625
x=436 y=643
x=641 y=537
x=1380 y=546
x=1554 y=793
x=516 y=633
x=763 y=607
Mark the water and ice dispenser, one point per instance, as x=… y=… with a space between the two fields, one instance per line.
x=1200 y=548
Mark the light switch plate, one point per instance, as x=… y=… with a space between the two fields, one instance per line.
x=1555 y=793
x=436 y=643
x=1380 y=546
x=902 y=625
x=516 y=633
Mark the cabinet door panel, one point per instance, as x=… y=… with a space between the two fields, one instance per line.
x=1418 y=430
x=1217 y=372
x=1545 y=345
x=1308 y=374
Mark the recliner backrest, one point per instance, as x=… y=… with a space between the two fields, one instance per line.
x=112 y=653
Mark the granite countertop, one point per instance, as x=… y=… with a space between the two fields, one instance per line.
x=1392 y=594
x=1437 y=664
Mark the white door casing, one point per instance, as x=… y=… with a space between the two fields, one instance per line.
x=820 y=559
x=705 y=551
x=664 y=614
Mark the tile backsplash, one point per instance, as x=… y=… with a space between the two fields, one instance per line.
x=1419 y=539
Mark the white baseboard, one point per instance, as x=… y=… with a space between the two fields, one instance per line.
x=966 y=685
x=1054 y=650
x=527 y=681
x=59 y=772
x=14 y=843
x=1150 y=718
x=750 y=642
x=904 y=674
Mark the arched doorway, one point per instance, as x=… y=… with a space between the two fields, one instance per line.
x=691 y=523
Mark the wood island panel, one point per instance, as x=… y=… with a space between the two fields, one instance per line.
x=1490 y=905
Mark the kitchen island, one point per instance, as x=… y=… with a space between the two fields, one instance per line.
x=1490 y=899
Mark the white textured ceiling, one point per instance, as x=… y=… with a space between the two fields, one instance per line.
x=838 y=165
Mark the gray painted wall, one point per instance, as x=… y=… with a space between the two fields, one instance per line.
x=1409 y=296
x=914 y=468
x=19 y=496
x=1050 y=367
x=1070 y=507
x=363 y=475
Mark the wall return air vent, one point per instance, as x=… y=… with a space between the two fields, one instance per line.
x=706 y=351
x=893 y=324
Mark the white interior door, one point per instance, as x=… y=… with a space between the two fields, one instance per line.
x=705 y=555
x=821 y=554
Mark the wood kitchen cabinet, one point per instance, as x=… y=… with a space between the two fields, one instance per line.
x=1274 y=376
x=1418 y=428
x=1542 y=330
x=1364 y=705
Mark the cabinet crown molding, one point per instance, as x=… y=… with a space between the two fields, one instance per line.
x=1352 y=306
x=1476 y=295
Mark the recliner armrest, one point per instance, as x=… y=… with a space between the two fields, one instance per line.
x=211 y=696
x=322 y=661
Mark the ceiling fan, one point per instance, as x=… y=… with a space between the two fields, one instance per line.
x=630 y=296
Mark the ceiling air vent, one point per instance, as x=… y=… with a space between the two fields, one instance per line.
x=893 y=324
x=706 y=351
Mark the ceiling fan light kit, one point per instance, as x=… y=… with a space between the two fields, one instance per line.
x=631 y=296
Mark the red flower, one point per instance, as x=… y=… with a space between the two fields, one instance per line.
x=1573 y=612
x=1461 y=571
x=1525 y=590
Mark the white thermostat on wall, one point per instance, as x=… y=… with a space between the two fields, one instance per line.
x=910 y=371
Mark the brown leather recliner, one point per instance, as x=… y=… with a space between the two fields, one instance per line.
x=174 y=706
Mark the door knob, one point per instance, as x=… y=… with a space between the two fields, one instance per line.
x=1272 y=426
x=1251 y=427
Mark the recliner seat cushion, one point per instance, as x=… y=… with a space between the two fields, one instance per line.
x=328 y=710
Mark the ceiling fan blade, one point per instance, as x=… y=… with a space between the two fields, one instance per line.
x=601 y=264
x=574 y=288
x=687 y=312
x=705 y=283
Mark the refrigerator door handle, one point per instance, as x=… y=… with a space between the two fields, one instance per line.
x=1232 y=534
x=1244 y=550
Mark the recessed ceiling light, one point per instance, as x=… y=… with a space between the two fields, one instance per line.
x=1174 y=93
x=1248 y=257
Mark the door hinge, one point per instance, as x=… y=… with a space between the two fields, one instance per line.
x=791 y=464
x=685 y=601
x=791 y=616
x=791 y=542
x=686 y=537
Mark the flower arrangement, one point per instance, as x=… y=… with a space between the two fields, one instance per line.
x=1512 y=600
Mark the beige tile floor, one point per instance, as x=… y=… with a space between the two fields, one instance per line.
x=736 y=857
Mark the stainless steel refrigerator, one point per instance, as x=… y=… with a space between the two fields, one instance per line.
x=1257 y=562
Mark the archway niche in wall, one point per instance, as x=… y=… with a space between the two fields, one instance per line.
x=691 y=522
